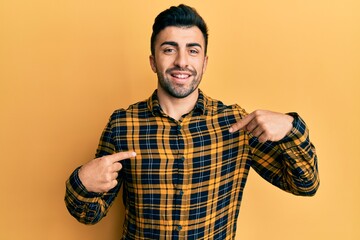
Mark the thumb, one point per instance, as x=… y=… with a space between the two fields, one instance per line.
x=121 y=156
x=241 y=123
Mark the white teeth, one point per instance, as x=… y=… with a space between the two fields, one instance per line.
x=182 y=76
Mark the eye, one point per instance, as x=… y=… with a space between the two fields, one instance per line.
x=194 y=51
x=168 y=50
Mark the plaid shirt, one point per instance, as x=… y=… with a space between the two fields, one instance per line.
x=188 y=176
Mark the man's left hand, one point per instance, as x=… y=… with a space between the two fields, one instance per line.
x=265 y=125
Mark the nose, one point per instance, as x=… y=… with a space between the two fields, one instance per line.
x=181 y=59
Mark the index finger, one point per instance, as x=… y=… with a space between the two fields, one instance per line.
x=121 y=156
x=241 y=123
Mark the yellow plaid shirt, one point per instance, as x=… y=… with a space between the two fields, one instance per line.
x=188 y=176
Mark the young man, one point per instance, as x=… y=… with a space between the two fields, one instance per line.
x=182 y=157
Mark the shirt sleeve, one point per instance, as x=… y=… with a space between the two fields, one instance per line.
x=89 y=207
x=290 y=164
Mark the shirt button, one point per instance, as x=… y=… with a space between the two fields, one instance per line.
x=182 y=159
x=181 y=192
x=179 y=128
x=178 y=228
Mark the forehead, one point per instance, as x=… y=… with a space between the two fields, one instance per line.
x=181 y=35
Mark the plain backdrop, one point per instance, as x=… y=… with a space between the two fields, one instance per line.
x=65 y=66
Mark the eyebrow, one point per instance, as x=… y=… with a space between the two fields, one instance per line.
x=175 y=44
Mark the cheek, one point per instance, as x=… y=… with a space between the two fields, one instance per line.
x=162 y=67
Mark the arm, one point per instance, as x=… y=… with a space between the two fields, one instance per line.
x=87 y=207
x=291 y=163
x=92 y=188
x=287 y=161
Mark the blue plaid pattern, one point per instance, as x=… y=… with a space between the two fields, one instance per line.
x=188 y=177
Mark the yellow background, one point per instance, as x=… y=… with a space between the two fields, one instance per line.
x=66 y=65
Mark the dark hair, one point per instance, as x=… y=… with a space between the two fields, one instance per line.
x=180 y=16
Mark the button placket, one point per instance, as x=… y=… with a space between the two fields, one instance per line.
x=179 y=169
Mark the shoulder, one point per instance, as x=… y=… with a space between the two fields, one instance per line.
x=136 y=110
x=214 y=107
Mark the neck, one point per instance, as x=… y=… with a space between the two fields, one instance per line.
x=177 y=107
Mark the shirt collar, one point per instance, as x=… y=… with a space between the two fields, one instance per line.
x=155 y=108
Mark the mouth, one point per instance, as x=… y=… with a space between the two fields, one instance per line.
x=180 y=75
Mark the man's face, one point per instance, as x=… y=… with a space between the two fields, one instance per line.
x=179 y=60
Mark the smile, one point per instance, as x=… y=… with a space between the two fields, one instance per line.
x=180 y=76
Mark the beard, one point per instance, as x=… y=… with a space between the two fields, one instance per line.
x=179 y=90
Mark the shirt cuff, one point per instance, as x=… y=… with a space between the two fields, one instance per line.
x=297 y=135
x=75 y=183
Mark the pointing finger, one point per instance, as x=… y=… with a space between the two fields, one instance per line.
x=241 y=123
x=121 y=156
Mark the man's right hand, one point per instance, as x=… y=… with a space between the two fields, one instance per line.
x=100 y=174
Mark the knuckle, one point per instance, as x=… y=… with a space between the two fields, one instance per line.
x=109 y=186
x=266 y=133
x=257 y=112
x=104 y=160
x=107 y=178
x=113 y=184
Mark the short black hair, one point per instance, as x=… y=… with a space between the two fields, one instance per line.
x=180 y=16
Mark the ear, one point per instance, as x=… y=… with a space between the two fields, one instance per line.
x=205 y=63
x=152 y=63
